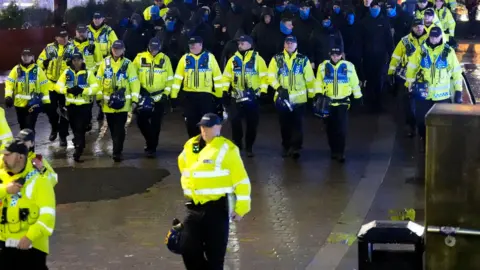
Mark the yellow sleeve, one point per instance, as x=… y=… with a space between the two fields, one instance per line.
x=100 y=72
x=169 y=69
x=178 y=78
x=217 y=76
x=3 y=188
x=43 y=86
x=240 y=181
x=5 y=131
x=112 y=37
x=182 y=161
x=412 y=68
x=228 y=75
x=272 y=74
x=146 y=14
x=309 y=79
x=42 y=57
x=133 y=82
x=51 y=174
x=263 y=72
x=455 y=70
x=44 y=198
x=60 y=87
x=320 y=75
x=10 y=82
x=136 y=62
x=92 y=88
x=397 y=55
x=353 y=81
x=97 y=56
x=451 y=24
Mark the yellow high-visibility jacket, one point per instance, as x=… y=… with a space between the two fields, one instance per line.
x=155 y=73
x=199 y=73
x=149 y=12
x=92 y=59
x=47 y=168
x=294 y=73
x=338 y=81
x=5 y=131
x=407 y=46
x=246 y=72
x=214 y=172
x=113 y=75
x=82 y=78
x=103 y=36
x=23 y=81
x=447 y=21
x=58 y=56
x=36 y=202
x=439 y=67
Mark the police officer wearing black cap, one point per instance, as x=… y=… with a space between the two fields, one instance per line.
x=156 y=78
x=216 y=184
x=25 y=80
x=102 y=34
x=201 y=77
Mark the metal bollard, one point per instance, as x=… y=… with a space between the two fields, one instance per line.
x=390 y=245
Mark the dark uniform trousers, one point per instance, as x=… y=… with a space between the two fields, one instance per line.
x=206 y=230
x=150 y=125
x=116 y=124
x=195 y=106
x=26 y=119
x=421 y=109
x=291 y=127
x=17 y=259
x=336 y=125
x=407 y=103
x=375 y=79
x=57 y=101
x=78 y=117
x=250 y=113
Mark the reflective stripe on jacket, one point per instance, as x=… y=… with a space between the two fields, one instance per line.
x=155 y=73
x=338 y=81
x=246 y=72
x=23 y=81
x=84 y=79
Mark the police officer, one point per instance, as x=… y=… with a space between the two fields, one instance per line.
x=28 y=197
x=5 y=131
x=91 y=52
x=338 y=80
x=25 y=81
x=156 y=77
x=119 y=89
x=431 y=73
x=202 y=84
x=207 y=184
x=446 y=18
x=53 y=59
x=79 y=85
x=101 y=34
x=407 y=46
x=290 y=74
x=27 y=136
x=246 y=71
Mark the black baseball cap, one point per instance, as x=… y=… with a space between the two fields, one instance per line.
x=291 y=39
x=15 y=146
x=210 y=120
x=429 y=12
x=77 y=55
x=422 y=1
x=26 y=135
x=336 y=50
x=118 y=44
x=81 y=28
x=246 y=39
x=435 y=31
x=27 y=51
x=62 y=33
x=98 y=15
x=416 y=22
x=195 y=39
x=154 y=44
x=391 y=4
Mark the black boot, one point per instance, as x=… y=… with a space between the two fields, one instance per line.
x=53 y=136
x=63 y=142
x=117 y=157
x=76 y=155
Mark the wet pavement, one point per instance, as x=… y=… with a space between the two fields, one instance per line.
x=304 y=214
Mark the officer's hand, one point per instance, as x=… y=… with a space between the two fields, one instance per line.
x=9 y=102
x=391 y=79
x=76 y=90
x=24 y=243
x=283 y=93
x=13 y=188
x=173 y=103
x=313 y=65
x=46 y=63
x=91 y=48
x=134 y=107
x=236 y=217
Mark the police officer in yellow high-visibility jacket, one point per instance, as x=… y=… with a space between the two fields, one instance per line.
x=101 y=33
x=338 y=80
x=446 y=18
x=79 y=85
x=407 y=46
x=291 y=75
x=202 y=84
x=430 y=20
x=156 y=12
x=247 y=72
x=53 y=59
x=119 y=89
x=450 y=4
x=437 y=66
x=24 y=80
x=217 y=185
x=156 y=78
x=92 y=54
x=5 y=131
x=28 y=210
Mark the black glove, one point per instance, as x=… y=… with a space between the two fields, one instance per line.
x=91 y=48
x=9 y=102
x=357 y=102
x=263 y=98
x=173 y=102
x=283 y=93
x=391 y=79
x=76 y=90
x=458 y=97
x=45 y=63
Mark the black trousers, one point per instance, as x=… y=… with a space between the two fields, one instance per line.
x=195 y=106
x=57 y=101
x=206 y=228
x=291 y=127
x=374 y=74
x=407 y=103
x=16 y=259
x=26 y=119
x=150 y=125
x=238 y=113
x=336 y=125
x=79 y=118
x=116 y=124
x=421 y=109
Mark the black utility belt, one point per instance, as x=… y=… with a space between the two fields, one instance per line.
x=24 y=212
x=222 y=202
